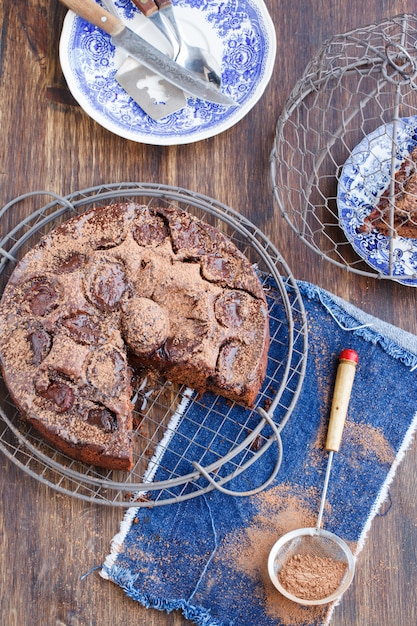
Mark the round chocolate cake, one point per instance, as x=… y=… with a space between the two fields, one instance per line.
x=124 y=287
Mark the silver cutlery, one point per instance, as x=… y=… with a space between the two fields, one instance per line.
x=193 y=58
x=146 y=54
x=150 y=9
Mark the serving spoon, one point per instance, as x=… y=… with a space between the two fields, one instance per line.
x=193 y=58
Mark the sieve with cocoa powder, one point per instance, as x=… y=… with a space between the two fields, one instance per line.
x=311 y=565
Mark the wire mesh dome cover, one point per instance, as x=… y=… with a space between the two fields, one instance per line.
x=346 y=134
x=184 y=445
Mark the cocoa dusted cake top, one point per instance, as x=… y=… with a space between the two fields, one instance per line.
x=122 y=287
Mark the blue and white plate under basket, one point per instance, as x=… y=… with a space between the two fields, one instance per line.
x=364 y=178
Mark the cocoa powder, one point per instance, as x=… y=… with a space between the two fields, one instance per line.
x=280 y=509
x=311 y=577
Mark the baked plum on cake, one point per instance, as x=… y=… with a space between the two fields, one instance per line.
x=404 y=200
x=119 y=288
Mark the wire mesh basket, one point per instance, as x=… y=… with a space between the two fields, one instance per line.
x=348 y=125
x=184 y=445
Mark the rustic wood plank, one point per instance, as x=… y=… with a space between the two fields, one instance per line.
x=48 y=541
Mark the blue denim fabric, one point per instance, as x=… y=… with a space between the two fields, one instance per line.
x=178 y=556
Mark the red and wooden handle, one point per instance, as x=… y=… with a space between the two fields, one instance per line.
x=163 y=4
x=341 y=396
x=147 y=7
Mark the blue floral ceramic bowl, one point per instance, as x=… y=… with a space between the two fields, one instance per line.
x=238 y=33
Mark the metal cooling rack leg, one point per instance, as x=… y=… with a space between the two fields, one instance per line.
x=269 y=480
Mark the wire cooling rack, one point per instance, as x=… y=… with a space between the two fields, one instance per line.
x=183 y=445
x=328 y=163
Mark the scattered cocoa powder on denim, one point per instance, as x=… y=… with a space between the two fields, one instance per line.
x=279 y=510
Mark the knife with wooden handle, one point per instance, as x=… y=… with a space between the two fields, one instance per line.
x=145 y=53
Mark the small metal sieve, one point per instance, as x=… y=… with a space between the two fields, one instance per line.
x=313 y=566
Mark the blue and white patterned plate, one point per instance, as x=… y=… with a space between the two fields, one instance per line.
x=239 y=34
x=365 y=176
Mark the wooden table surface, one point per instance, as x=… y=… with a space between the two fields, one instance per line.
x=48 y=540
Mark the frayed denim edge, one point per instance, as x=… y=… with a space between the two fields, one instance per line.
x=198 y=615
x=391 y=347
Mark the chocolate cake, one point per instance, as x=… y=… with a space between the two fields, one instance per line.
x=119 y=288
x=405 y=203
